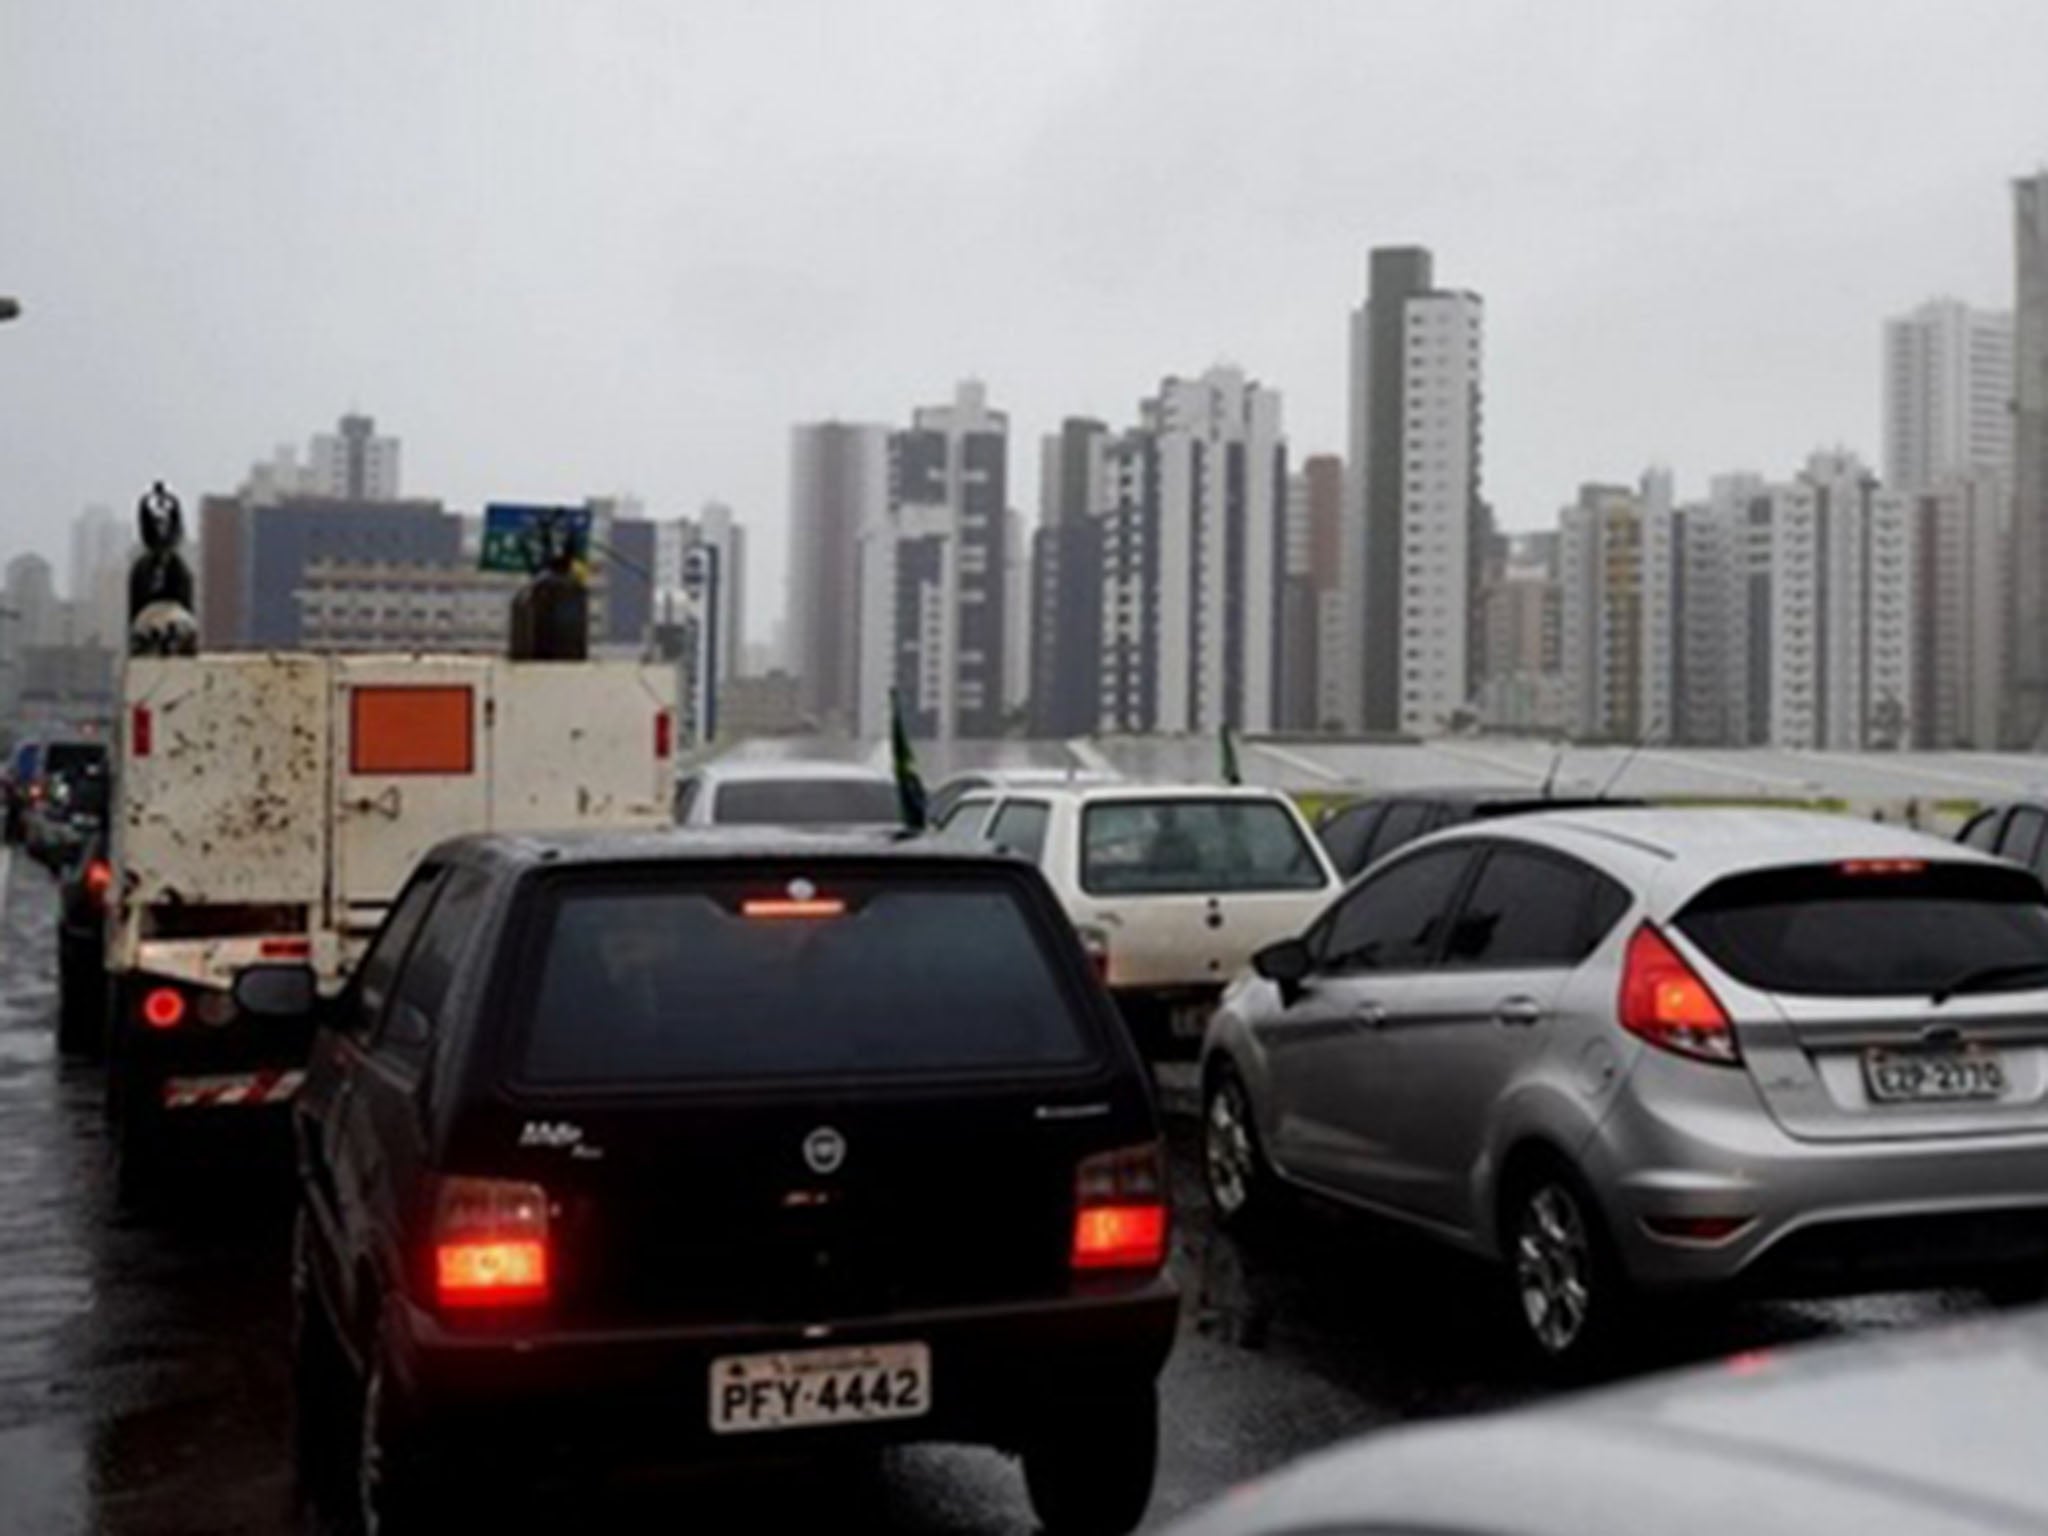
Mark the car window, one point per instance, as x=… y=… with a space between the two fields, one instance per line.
x=1020 y=827
x=800 y=802
x=374 y=976
x=1850 y=931
x=1404 y=822
x=1982 y=831
x=673 y=979
x=2021 y=841
x=965 y=821
x=1529 y=910
x=1348 y=834
x=430 y=967
x=1395 y=919
x=1169 y=847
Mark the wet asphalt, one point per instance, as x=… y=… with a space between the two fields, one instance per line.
x=144 y=1375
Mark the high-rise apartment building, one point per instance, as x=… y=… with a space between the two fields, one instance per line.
x=1714 y=648
x=838 y=493
x=1616 y=607
x=1948 y=375
x=1067 y=579
x=1312 y=596
x=100 y=554
x=352 y=463
x=1419 y=517
x=2029 y=654
x=1961 y=598
x=934 y=582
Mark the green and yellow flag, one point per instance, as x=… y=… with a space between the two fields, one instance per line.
x=1227 y=742
x=910 y=796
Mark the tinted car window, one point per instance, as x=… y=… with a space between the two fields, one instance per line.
x=1824 y=932
x=66 y=759
x=2021 y=841
x=668 y=982
x=1393 y=921
x=1526 y=909
x=1405 y=821
x=1348 y=834
x=1020 y=827
x=430 y=968
x=1982 y=832
x=805 y=802
x=1163 y=847
x=380 y=965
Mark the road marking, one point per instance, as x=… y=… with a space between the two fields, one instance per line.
x=1089 y=756
x=1296 y=761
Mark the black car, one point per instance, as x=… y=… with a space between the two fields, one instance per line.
x=1365 y=831
x=622 y=1152
x=81 y=954
x=67 y=801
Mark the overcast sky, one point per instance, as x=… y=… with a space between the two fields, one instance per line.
x=576 y=247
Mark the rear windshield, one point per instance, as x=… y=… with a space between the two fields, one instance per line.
x=1844 y=931
x=66 y=759
x=663 y=982
x=1164 y=847
x=805 y=802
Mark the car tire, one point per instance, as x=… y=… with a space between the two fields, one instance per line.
x=1568 y=1298
x=396 y=1487
x=1090 y=1469
x=322 y=1378
x=1245 y=1195
x=81 y=1003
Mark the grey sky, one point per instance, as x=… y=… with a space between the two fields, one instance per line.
x=564 y=248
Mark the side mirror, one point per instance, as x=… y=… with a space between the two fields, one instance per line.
x=276 y=991
x=1287 y=962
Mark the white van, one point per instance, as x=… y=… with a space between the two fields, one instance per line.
x=1171 y=886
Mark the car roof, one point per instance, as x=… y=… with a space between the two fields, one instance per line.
x=782 y=770
x=1932 y=1432
x=1125 y=789
x=710 y=845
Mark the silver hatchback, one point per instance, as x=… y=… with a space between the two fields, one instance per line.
x=1631 y=1050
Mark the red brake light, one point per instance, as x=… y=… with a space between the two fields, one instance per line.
x=664 y=735
x=285 y=949
x=1120 y=1215
x=141 y=732
x=98 y=880
x=163 y=1007
x=1858 y=867
x=1664 y=1002
x=778 y=906
x=491 y=1244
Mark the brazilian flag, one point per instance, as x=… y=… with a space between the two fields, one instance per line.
x=910 y=796
x=1227 y=743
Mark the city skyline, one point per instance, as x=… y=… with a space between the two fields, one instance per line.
x=1662 y=285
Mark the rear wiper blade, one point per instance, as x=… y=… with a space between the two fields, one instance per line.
x=1990 y=976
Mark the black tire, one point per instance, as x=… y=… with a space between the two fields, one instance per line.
x=81 y=1003
x=397 y=1489
x=323 y=1383
x=1567 y=1297
x=1245 y=1195
x=1090 y=1469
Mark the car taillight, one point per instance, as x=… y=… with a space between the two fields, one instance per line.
x=1664 y=1001
x=491 y=1244
x=163 y=1007
x=1120 y=1217
x=141 y=733
x=664 y=735
x=1859 y=868
x=98 y=880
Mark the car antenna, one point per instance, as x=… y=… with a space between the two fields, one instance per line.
x=1556 y=762
x=1628 y=758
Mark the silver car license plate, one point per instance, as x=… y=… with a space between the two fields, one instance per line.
x=1933 y=1077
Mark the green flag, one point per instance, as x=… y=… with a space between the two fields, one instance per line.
x=1232 y=774
x=910 y=797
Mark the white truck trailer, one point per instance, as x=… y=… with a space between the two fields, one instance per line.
x=267 y=808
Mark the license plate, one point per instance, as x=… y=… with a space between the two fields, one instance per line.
x=1932 y=1077
x=859 y=1384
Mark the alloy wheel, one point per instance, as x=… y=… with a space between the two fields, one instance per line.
x=1227 y=1149
x=1554 y=1268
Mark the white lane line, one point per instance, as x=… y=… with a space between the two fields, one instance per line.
x=1089 y=756
x=1296 y=761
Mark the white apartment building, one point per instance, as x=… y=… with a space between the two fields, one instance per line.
x=1948 y=390
x=1710 y=632
x=101 y=551
x=352 y=463
x=1963 y=593
x=838 y=500
x=1617 y=611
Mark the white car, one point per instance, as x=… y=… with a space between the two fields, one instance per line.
x=762 y=792
x=1173 y=887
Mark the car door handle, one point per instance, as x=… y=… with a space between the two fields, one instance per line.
x=1519 y=1012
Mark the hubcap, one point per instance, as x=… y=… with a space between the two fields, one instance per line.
x=1228 y=1146
x=1554 y=1268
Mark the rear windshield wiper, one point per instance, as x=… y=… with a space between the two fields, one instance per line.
x=1985 y=977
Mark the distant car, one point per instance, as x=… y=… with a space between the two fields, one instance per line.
x=960 y=785
x=1630 y=1052
x=762 y=793
x=1173 y=886
x=2016 y=831
x=1362 y=831
x=668 y=1149
x=21 y=773
x=1928 y=1433
x=67 y=801
x=81 y=949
